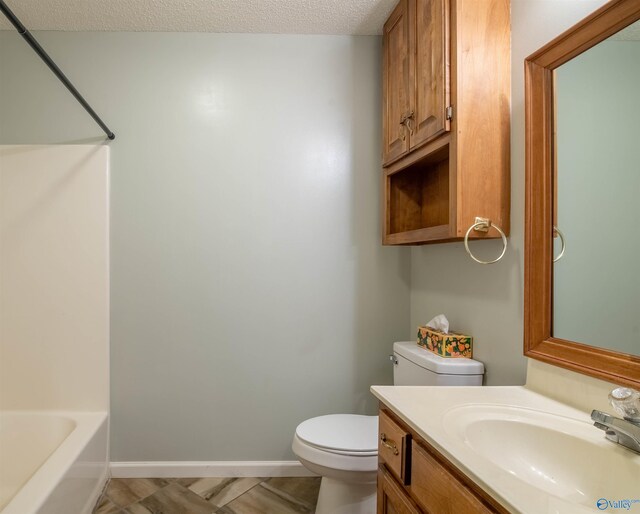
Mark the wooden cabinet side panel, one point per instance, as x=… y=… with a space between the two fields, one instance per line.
x=435 y=196
x=482 y=105
x=430 y=69
x=396 y=89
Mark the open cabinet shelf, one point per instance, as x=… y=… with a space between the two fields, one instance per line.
x=418 y=200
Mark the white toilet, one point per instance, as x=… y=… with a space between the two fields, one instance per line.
x=343 y=448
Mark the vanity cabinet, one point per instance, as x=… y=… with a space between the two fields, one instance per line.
x=392 y=499
x=425 y=481
x=446 y=111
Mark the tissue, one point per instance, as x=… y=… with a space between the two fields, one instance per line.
x=440 y=323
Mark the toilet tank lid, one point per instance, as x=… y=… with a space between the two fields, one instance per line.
x=428 y=360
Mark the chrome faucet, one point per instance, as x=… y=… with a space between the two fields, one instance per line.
x=625 y=431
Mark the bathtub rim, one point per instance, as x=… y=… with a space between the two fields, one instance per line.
x=32 y=496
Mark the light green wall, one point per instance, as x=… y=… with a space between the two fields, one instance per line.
x=487 y=301
x=249 y=289
x=597 y=282
x=249 y=286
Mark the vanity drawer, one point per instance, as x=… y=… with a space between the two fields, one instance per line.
x=437 y=490
x=394 y=446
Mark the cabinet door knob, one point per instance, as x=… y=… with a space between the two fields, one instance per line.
x=407 y=124
x=405 y=120
x=389 y=443
x=403 y=136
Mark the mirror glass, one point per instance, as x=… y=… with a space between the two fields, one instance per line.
x=596 y=283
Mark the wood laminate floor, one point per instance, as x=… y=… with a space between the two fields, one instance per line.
x=210 y=495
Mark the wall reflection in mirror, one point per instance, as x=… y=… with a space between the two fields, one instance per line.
x=596 y=283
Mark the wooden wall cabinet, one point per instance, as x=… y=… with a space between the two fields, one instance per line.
x=429 y=484
x=446 y=111
x=416 y=85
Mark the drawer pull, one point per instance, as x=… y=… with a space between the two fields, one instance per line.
x=389 y=443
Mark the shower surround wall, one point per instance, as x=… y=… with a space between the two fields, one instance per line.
x=54 y=278
x=54 y=327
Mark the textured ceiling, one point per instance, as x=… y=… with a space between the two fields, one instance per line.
x=362 y=17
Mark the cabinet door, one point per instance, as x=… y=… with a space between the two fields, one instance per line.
x=396 y=88
x=391 y=498
x=430 y=68
x=436 y=490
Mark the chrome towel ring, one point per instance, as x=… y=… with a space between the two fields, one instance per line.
x=483 y=225
x=562 y=241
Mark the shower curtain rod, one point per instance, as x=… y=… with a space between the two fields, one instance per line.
x=22 y=30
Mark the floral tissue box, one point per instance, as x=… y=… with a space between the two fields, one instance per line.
x=445 y=345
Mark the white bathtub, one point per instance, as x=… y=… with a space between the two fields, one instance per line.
x=52 y=462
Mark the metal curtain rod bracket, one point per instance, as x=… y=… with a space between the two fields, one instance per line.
x=22 y=30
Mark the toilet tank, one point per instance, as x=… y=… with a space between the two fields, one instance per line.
x=413 y=365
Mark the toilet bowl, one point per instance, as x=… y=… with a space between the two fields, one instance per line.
x=343 y=449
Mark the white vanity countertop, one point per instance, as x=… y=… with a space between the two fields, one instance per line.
x=563 y=476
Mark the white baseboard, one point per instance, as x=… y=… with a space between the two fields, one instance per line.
x=177 y=469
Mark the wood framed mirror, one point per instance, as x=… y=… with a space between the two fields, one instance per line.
x=541 y=207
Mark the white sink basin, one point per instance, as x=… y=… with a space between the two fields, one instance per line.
x=559 y=455
x=534 y=455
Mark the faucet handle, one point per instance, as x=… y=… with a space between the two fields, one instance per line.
x=626 y=402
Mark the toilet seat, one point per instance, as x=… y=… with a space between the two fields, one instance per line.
x=342 y=434
x=325 y=462
x=339 y=443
